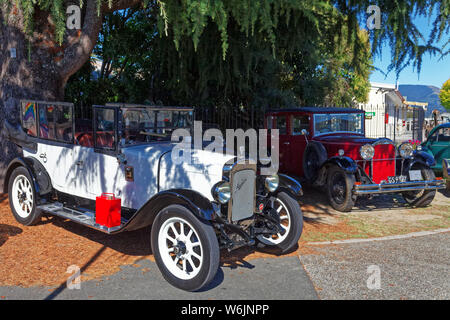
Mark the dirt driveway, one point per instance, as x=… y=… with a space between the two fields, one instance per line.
x=40 y=255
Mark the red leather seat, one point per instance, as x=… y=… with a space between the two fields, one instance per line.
x=84 y=139
x=105 y=140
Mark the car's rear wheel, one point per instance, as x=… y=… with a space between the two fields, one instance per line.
x=421 y=198
x=22 y=197
x=291 y=221
x=340 y=189
x=186 y=249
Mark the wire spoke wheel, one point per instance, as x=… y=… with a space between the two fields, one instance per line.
x=338 y=189
x=285 y=223
x=22 y=196
x=180 y=248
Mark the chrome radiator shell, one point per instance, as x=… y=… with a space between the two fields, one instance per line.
x=243 y=191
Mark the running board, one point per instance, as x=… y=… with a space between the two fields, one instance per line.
x=79 y=215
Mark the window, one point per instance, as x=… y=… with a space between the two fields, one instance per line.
x=29 y=118
x=46 y=121
x=55 y=122
x=299 y=123
x=269 y=122
x=281 y=124
x=441 y=135
x=173 y=119
x=143 y=125
x=104 y=128
x=346 y=122
x=64 y=123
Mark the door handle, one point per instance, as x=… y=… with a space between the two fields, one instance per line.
x=286 y=143
x=79 y=163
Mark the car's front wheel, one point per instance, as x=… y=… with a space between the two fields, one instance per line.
x=186 y=249
x=291 y=222
x=421 y=198
x=340 y=189
x=22 y=197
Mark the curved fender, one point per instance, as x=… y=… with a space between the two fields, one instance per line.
x=21 y=162
x=290 y=186
x=419 y=157
x=424 y=157
x=345 y=163
x=194 y=201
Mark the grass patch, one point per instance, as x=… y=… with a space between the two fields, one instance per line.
x=363 y=226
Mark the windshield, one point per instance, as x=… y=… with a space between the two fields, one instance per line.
x=332 y=122
x=142 y=125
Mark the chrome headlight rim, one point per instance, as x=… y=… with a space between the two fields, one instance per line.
x=272 y=183
x=367 y=152
x=406 y=150
x=221 y=192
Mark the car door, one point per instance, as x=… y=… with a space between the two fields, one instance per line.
x=95 y=157
x=439 y=144
x=298 y=142
x=281 y=124
x=55 y=146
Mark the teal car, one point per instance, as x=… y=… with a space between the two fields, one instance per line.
x=438 y=145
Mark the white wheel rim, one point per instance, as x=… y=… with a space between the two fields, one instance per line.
x=285 y=223
x=22 y=196
x=180 y=248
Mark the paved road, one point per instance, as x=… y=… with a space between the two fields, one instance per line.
x=259 y=279
x=415 y=268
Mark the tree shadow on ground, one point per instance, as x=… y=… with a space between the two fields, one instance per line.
x=7 y=231
x=3 y=197
x=133 y=243
x=315 y=202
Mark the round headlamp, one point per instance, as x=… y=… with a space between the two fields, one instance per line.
x=367 y=152
x=272 y=183
x=406 y=150
x=222 y=192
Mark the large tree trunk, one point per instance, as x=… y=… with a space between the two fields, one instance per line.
x=21 y=79
x=42 y=67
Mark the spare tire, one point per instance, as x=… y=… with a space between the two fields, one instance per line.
x=314 y=157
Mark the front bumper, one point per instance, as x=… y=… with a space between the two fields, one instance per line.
x=363 y=189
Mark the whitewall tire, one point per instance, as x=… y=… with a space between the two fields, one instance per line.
x=186 y=249
x=22 y=197
x=291 y=221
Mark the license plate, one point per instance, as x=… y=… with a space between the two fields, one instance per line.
x=396 y=179
x=415 y=175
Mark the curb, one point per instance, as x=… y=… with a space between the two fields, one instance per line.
x=403 y=236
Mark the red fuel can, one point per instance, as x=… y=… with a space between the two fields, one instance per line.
x=107 y=210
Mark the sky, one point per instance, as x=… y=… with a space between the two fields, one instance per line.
x=433 y=72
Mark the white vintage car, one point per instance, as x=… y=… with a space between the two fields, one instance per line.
x=195 y=208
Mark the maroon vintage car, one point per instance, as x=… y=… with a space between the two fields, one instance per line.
x=327 y=147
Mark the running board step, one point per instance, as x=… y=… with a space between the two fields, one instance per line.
x=79 y=215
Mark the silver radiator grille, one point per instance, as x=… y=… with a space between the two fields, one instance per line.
x=242 y=194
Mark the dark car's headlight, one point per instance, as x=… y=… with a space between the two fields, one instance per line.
x=406 y=150
x=222 y=192
x=272 y=182
x=367 y=152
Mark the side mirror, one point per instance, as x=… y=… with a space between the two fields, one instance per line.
x=305 y=134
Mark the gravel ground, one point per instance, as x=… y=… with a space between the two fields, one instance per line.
x=415 y=268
